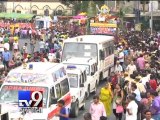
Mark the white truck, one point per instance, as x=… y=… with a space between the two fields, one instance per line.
x=98 y=47
x=81 y=70
x=77 y=78
x=49 y=78
x=43 y=23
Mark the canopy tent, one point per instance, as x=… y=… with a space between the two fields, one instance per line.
x=16 y=16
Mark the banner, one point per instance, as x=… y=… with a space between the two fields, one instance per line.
x=103 y=25
x=102 y=30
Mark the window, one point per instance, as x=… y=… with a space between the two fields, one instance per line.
x=52 y=95
x=83 y=79
x=58 y=91
x=34 y=12
x=64 y=86
x=80 y=80
x=107 y=52
x=18 y=11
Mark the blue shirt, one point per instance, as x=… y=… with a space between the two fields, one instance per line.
x=63 y=111
x=6 y=56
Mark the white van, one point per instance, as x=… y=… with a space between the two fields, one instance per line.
x=78 y=84
x=50 y=78
x=91 y=72
x=98 y=47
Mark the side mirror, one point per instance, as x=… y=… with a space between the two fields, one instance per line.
x=81 y=85
x=101 y=55
x=54 y=101
x=92 y=73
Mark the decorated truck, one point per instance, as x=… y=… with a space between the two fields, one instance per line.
x=104 y=23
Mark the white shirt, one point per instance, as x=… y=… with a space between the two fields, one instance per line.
x=1 y=39
x=121 y=55
x=1 y=47
x=15 y=45
x=6 y=45
x=131 y=68
x=30 y=31
x=138 y=95
x=41 y=44
x=25 y=49
x=118 y=68
x=144 y=80
x=133 y=108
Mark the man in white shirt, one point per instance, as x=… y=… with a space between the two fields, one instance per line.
x=42 y=45
x=136 y=91
x=118 y=68
x=144 y=79
x=131 y=68
x=15 y=45
x=132 y=108
x=121 y=57
x=7 y=46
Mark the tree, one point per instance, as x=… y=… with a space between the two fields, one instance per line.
x=121 y=14
x=91 y=11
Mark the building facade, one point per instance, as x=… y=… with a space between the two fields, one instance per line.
x=38 y=7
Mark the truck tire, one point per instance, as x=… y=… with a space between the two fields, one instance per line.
x=74 y=109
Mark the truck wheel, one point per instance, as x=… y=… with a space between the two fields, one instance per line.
x=75 y=109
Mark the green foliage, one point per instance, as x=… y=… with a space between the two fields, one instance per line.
x=91 y=11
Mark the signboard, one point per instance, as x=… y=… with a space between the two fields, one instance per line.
x=103 y=25
x=103 y=30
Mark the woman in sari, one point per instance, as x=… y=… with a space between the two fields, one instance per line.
x=106 y=98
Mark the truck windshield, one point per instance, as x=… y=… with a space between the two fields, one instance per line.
x=73 y=79
x=9 y=93
x=83 y=50
x=39 y=24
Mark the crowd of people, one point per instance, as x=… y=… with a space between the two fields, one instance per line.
x=132 y=92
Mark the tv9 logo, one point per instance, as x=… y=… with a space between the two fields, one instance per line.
x=30 y=99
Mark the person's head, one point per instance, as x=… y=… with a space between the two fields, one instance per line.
x=87 y=116
x=61 y=103
x=25 y=44
x=118 y=86
x=5 y=49
x=107 y=85
x=148 y=114
x=131 y=97
x=133 y=86
x=154 y=94
x=103 y=118
x=96 y=99
x=141 y=55
x=126 y=83
x=132 y=63
x=148 y=94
